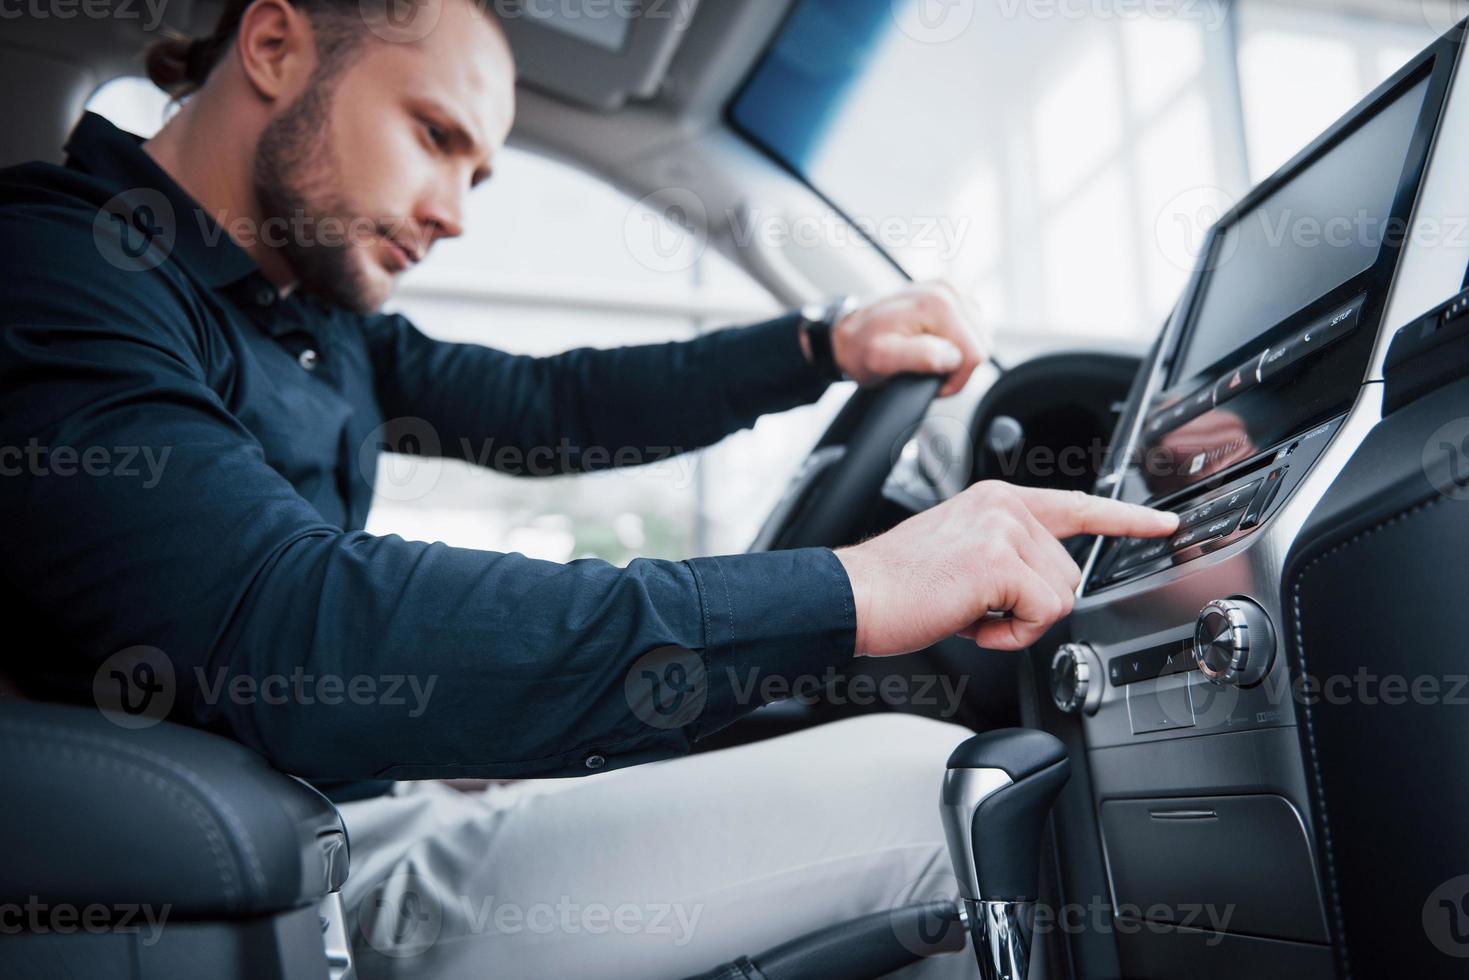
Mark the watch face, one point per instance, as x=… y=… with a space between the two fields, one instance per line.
x=814 y=313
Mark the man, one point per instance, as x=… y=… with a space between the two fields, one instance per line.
x=205 y=304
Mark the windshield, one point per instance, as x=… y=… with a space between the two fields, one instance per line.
x=1059 y=159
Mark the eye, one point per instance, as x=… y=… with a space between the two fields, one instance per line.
x=437 y=135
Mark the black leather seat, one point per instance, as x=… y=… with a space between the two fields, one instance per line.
x=160 y=852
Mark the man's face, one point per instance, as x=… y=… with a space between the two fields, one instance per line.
x=372 y=167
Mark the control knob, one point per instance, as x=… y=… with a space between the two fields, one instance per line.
x=1076 y=678
x=1233 y=642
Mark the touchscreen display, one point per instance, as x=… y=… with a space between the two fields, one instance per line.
x=1291 y=295
x=1326 y=225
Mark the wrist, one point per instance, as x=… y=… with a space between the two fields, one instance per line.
x=817 y=325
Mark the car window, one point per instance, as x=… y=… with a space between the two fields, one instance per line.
x=555 y=258
x=1060 y=160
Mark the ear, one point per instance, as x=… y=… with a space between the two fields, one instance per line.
x=277 y=49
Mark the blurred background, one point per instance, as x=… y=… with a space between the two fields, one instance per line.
x=1060 y=160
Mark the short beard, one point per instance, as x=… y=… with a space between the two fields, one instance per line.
x=292 y=173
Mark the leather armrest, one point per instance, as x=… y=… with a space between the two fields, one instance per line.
x=166 y=815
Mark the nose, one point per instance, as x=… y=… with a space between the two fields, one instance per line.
x=442 y=213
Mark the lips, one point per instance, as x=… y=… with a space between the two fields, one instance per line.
x=402 y=255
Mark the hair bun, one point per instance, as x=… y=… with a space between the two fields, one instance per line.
x=172 y=62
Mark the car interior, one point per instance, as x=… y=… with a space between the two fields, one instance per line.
x=1244 y=752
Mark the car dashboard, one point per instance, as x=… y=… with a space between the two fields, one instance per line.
x=1207 y=783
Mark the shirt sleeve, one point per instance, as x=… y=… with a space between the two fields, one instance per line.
x=338 y=655
x=589 y=409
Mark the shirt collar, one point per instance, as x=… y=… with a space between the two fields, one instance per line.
x=99 y=148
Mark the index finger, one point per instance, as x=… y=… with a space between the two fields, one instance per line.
x=1068 y=512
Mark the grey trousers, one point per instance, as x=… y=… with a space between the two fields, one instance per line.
x=660 y=871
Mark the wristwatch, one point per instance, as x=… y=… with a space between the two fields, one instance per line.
x=816 y=323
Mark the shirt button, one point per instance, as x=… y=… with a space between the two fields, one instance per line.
x=308 y=359
x=265 y=296
x=595 y=762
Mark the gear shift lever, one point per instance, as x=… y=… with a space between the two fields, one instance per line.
x=997 y=794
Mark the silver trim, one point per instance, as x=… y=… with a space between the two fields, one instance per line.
x=964 y=790
x=1001 y=932
x=334 y=938
x=1087 y=683
x=1251 y=642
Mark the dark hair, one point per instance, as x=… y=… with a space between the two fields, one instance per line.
x=180 y=65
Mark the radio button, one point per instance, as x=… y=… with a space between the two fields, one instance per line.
x=1199 y=514
x=1282 y=357
x=1223 y=526
x=1217 y=528
x=1240 y=497
x=1140 y=552
x=1339 y=324
x=1256 y=511
x=1237 y=382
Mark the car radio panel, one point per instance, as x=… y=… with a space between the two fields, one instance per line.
x=1216 y=513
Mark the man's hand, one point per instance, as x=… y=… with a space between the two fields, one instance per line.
x=926 y=329
x=992 y=548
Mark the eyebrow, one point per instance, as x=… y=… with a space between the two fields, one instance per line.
x=459 y=136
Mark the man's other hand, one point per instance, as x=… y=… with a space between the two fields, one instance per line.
x=993 y=548
x=926 y=329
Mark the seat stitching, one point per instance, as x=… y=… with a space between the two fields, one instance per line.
x=200 y=815
x=185 y=774
x=1299 y=630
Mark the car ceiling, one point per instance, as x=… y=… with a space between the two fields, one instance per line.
x=646 y=118
x=678 y=64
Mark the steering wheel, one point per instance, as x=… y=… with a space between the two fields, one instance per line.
x=836 y=492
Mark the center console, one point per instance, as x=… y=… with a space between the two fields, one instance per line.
x=1267 y=380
